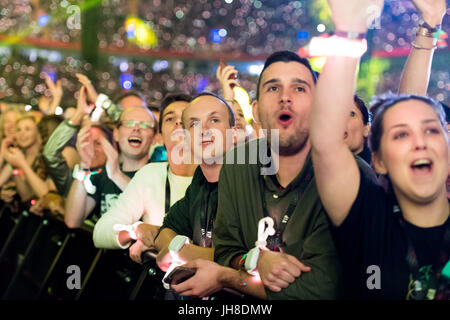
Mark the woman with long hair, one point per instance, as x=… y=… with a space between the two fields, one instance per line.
x=393 y=244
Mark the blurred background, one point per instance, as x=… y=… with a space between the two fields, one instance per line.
x=160 y=46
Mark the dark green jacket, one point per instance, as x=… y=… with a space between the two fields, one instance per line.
x=307 y=235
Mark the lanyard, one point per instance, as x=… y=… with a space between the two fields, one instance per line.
x=276 y=240
x=167 y=203
x=436 y=286
x=207 y=214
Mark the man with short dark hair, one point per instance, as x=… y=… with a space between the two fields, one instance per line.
x=273 y=225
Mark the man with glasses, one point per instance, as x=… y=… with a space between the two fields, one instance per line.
x=152 y=190
x=90 y=188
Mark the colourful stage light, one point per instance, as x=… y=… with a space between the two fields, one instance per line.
x=126 y=81
x=43 y=19
x=140 y=33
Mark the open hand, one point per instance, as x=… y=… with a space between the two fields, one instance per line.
x=432 y=10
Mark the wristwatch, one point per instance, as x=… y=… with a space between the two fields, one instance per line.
x=177 y=243
x=251 y=261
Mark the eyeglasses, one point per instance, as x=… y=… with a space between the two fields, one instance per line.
x=141 y=124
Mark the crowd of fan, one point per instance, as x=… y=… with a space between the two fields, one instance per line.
x=111 y=164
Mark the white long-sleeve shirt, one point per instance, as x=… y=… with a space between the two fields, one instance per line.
x=145 y=198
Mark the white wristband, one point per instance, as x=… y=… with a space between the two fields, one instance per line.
x=127 y=227
x=337 y=46
x=101 y=100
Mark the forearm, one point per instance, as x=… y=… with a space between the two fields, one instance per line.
x=5 y=174
x=38 y=186
x=76 y=205
x=334 y=98
x=243 y=282
x=416 y=73
x=53 y=105
x=23 y=189
x=163 y=239
x=191 y=252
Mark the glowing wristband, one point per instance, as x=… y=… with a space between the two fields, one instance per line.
x=127 y=227
x=174 y=247
x=84 y=177
x=265 y=229
x=337 y=46
x=101 y=100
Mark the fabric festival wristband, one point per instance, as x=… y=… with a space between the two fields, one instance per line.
x=84 y=177
x=350 y=35
x=126 y=227
x=337 y=46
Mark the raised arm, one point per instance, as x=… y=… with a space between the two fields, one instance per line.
x=56 y=91
x=78 y=204
x=416 y=73
x=336 y=171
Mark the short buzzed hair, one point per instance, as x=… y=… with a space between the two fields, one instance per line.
x=231 y=117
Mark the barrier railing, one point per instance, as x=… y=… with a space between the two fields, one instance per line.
x=36 y=254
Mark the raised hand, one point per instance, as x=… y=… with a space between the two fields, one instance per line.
x=85 y=147
x=15 y=157
x=112 y=159
x=354 y=15
x=91 y=92
x=224 y=75
x=55 y=89
x=432 y=10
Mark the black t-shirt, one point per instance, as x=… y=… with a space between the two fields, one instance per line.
x=371 y=235
x=106 y=193
x=193 y=215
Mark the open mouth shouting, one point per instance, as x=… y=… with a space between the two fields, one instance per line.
x=422 y=166
x=285 y=118
x=135 y=142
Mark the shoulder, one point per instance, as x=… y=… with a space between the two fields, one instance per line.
x=153 y=169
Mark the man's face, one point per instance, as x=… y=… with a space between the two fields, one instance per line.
x=207 y=120
x=131 y=101
x=171 y=128
x=357 y=132
x=286 y=95
x=135 y=133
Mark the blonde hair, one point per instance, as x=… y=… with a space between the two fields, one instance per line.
x=17 y=110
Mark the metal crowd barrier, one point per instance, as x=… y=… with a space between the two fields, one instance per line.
x=37 y=251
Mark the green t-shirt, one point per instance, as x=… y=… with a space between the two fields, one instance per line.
x=307 y=235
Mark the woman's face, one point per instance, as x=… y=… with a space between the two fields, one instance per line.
x=414 y=151
x=9 y=124
x=27 y=133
